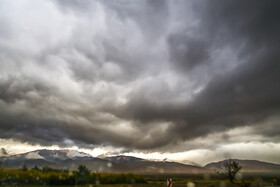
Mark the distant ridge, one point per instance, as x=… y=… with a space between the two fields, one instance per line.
x=248 y=166
x=139 y=165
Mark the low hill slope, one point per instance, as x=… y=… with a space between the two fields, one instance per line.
x=253 y=166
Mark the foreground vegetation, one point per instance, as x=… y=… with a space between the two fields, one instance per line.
x=50 y=176
x=214 y=180
x=55 y=177
x=47 y=176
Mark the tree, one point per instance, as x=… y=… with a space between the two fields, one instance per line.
x=229 y=169
x=83 y=170
x=24 y=167
x=36 y=168
x=1 y=166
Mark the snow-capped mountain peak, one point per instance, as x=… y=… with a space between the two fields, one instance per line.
x=75 y=153
x=55 y=155
x=3 y=152
x=33 y=155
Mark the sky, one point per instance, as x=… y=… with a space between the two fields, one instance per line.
x=184 y=80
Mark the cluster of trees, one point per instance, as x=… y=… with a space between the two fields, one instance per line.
x=52 y=176
x=45 y=169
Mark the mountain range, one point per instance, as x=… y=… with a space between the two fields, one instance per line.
x=71 y=159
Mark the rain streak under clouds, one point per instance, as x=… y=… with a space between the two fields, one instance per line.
x=194 y=80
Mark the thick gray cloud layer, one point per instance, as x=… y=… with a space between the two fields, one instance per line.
x=137 y=74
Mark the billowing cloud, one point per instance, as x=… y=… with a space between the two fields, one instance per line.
x=139 y=75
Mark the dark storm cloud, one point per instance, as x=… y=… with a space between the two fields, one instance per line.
x=151 y=16
x=253 y=22
x=187 y=52
x=248 y=94
x=244 y=96
x=137 y=74
x=122 y=45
